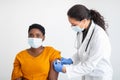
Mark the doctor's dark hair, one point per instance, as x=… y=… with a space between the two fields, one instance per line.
x=80 y=12
x=37 y=26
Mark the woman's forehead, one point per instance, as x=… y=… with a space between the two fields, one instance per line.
x=73 y=20
x=35 y=30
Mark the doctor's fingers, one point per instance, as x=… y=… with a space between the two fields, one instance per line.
x=56 y=62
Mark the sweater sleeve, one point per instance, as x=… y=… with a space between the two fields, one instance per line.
x=16 y=73
x=55 y=54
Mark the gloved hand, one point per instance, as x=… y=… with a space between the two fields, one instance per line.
x=66 y=61
x=58 y=66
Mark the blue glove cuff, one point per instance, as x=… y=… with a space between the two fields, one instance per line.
x=66 y=61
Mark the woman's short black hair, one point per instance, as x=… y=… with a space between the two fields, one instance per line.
x=37 y=26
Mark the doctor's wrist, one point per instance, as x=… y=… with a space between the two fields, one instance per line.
x=64 y=69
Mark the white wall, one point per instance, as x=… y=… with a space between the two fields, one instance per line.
x=17 y=15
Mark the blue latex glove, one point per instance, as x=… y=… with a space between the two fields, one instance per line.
x=66 y=61
x=58 y=66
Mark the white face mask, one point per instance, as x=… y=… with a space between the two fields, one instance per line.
x=35 y=42
x=77 y=28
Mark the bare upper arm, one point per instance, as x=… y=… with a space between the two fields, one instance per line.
x=53 y=75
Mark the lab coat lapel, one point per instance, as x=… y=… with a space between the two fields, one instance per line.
x=84 y=44
x=79 y=40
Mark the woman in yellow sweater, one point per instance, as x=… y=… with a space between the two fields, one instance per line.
x=35 y=63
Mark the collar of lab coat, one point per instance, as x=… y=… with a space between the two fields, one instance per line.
x=84 y=44
x=90 y=31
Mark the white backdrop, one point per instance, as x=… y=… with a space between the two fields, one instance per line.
x=17 y=15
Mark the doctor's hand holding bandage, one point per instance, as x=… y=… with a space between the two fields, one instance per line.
x=58 y=65
x=91 y=60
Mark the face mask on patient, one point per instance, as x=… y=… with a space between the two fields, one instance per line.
x=35 y=42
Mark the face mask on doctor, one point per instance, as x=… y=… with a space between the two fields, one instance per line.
x=77 y=28
x=35 y=42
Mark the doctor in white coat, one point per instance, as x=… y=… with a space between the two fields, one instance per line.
x=92 y=58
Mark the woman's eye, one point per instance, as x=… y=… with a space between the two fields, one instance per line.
x=38 y=35
x=35 y=35
x=73 y=25
x=30 y=35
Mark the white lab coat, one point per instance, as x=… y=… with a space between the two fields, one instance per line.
x=93 y=64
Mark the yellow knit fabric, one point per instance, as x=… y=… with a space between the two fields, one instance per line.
x=34 y=68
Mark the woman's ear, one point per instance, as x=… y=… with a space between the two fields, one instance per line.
x=43 y=38
x=84 y=21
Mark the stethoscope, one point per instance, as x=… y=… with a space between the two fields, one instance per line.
x=89 y=40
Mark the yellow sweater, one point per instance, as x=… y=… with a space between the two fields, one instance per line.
x=34 y=68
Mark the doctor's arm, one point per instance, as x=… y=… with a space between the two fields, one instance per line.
x=97 y=52
x=100 y=47
x=67 y=61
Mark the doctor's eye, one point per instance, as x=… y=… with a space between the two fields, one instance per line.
x=73 y=25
